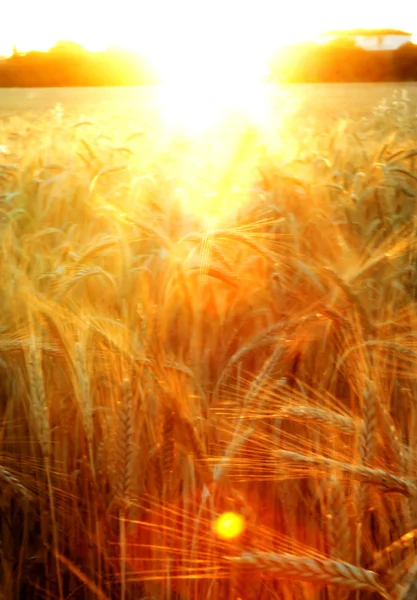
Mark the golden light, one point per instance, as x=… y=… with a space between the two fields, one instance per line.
x=210 y=55
x=229 y=525
x=195 y=109
x=161 y=26
x=206 y=84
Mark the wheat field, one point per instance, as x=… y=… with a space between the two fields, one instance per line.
x=196 y=327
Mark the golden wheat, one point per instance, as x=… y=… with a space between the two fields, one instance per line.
x=197 y=326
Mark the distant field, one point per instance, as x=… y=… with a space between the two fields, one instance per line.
x=317 y=98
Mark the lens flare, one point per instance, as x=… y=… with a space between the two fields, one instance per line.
x=229 y=525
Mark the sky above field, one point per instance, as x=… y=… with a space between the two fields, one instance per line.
x=159 y=27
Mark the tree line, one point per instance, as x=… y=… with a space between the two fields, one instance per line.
x=343 y=61
x=68 y=64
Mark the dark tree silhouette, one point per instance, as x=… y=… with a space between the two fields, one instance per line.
x=69 y=64
x=342 y=61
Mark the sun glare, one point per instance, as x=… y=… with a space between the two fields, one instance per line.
x=210 y=56
x=229 y=526
x=195 y=108
x=202 y=85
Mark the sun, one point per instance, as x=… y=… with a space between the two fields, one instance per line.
x=229 y=525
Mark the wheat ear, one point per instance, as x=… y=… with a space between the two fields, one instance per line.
x=124 y=447
x=168 y=451
x=194 y=445
x=317 y=416
x=339 y=526
x=369 y=429
x=14 y=483
x=282 y=462
x=85 y=399
x=406 y=588
x=387 y=481
x=313 y=570
x=406 y=541
x=38 y=398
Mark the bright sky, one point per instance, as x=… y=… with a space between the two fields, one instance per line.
x=163 y=26
x=208 y=44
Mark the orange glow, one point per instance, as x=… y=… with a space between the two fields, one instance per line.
x=229 y=526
